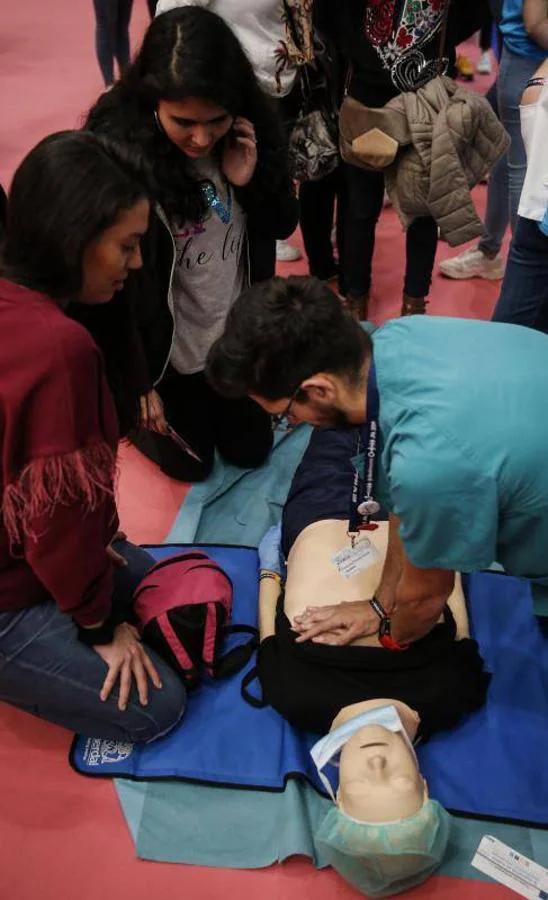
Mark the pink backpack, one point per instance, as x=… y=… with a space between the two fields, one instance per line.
x=184 y=604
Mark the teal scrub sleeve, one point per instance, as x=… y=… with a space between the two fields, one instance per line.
x=448 y=511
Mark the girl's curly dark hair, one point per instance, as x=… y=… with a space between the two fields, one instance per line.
x=187 y=52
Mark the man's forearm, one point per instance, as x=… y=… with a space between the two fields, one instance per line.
x=393 y=566
x=421 y=597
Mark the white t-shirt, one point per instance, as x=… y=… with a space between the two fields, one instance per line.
x=259 y=26
x=209 y=272
x=534 y=129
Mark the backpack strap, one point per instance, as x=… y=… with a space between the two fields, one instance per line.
x=249 y=678
x=234 y=660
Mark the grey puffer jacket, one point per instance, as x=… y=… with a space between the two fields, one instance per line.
x=434 y=145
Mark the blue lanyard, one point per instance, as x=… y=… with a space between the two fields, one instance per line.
x=363 y=505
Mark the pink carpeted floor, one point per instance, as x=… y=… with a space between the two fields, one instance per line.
x=62 y=836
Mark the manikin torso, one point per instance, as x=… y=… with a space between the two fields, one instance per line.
x=314 y=580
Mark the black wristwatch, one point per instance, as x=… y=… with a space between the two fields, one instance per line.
x=92 y=637
x=385 y=627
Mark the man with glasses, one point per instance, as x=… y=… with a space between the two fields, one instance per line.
x=451 y=423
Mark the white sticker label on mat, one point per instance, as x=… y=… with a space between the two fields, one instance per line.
x=516 y=871
x=352 y=560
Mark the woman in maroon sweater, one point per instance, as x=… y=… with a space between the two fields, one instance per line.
x=68 y=652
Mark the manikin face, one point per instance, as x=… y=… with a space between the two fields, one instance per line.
x=379 y=780
x=111 y=256
x=194 y=125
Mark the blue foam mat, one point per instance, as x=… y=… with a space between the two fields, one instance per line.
x=491 y=766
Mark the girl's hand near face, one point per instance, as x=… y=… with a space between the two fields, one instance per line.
x=239 y=158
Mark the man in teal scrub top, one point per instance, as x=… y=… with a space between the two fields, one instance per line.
x=462 y=449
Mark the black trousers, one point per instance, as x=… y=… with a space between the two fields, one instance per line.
x=321 y=203
x=364 y=198
x=239 y=429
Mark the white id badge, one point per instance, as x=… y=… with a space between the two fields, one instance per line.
x=350 y=561
x=516 y=871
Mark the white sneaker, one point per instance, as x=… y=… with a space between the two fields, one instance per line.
x=473 y=264
x=285 y=252
x=484 y=64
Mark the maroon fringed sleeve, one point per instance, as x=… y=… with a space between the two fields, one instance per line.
x=58 y=442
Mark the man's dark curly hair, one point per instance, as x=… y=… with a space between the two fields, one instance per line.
x=282 y=331
x=187 y=52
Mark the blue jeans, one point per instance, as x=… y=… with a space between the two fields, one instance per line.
x=47 y=671
x=524 y=295
x=507 y=177
x=112 y=35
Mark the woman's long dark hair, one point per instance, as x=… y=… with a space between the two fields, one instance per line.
x=187 y=52
x=66 y=192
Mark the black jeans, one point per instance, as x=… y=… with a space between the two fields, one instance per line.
x=239 y=429
x=112 y=19
x=364 y=198
x=322 y=202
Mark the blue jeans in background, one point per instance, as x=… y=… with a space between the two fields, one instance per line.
x=47 y=671
x=112 y=19
x=524 y=295
x=507 y=176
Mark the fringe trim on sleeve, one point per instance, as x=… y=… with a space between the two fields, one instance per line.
x=83 y=477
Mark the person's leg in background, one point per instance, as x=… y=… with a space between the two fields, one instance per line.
x=188 y=408
x=421 y=244
x=123 y=17
x=289 y=107
x=317 y=209
x=46 y=671
x=364 y=196
x=483 y=66
x=243 y=431
x=524 y=294
x=485 y=260
x=514 y=73
x=105 y=22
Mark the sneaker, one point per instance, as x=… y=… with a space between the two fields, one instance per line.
x=473 y=264
x=484 y=65
x=285 y=252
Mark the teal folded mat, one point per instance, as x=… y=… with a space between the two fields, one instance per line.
x=237 y=506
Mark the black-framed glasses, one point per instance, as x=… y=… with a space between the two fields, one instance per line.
x=279 y=421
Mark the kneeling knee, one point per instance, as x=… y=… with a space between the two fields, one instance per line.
x=164 y=710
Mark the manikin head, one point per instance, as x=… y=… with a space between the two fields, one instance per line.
x=289 y=345
x=379 y=779
x=383 y=833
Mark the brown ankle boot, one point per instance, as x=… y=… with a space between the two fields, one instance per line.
x=413 y=306
x=357 y=305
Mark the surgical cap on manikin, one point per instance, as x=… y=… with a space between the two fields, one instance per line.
x=382 y=859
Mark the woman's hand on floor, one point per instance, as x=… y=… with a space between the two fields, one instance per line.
x=152 y=412
x=127 y=659
x=336 y=625
x=240 y=153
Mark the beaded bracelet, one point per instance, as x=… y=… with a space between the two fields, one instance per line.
x=273 y=575
x=536 y=81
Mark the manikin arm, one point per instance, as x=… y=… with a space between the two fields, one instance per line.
x=269 y=591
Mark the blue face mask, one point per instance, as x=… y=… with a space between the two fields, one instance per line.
x=327 y=748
